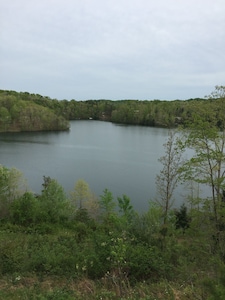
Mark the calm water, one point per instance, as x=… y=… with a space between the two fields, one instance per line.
x=123 y=159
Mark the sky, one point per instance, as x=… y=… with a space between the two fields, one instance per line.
x=112 y=49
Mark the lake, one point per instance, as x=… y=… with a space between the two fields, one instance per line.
x=123 y=159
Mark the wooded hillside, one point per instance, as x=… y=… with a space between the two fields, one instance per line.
x=24 y=111
x=17 y=114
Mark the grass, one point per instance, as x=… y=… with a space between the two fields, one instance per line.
x=56 y=288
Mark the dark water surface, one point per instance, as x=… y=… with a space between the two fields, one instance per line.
x=123 y=159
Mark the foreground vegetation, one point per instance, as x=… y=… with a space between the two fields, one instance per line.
x=78 y=246
x=55 y=247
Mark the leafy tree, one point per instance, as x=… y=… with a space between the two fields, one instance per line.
x=107 y=203
x=24 y=210
x=5 y=118
x=124 y=205
x=80 y=194
x=182 y=218
x=145 y=227
x=207 y=166
x=107 y=208
x=92 y=206
x=54 y=205
x=126 y=210
x=12 y=186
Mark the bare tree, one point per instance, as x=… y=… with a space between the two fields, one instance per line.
x=167 y=179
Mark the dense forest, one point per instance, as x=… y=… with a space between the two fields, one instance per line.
x=78 y=246
x=26 y=112
x=18 y=114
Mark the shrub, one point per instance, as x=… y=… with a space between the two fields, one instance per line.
x=182 y=218
x=23 y=210
x=146 y=263
x=12 y=186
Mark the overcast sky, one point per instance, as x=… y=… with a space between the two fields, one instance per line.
x=112 y=49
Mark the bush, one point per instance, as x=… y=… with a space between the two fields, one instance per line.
x=182 y=218
x=146 y=263
x=12 y=253
x=216 y=287
x=24 y=210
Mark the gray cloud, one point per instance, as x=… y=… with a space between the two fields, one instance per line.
x=165 y=49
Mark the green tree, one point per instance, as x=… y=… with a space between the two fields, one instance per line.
x=145 y=227
x=54 y=205
x=126 y=209
x=107 y=203
x=182 y=218
x=92 y=206
x=80 y=194
x=5 y=118
x=24 y=210
x=206 y=137
x=12 y=186
x=107 y=208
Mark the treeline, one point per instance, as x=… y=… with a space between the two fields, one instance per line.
x=18 y=110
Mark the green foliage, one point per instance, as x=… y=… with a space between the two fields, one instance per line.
x=24 y=111
x=80 y=194
x=17 y=114
x=216 y=287
x=24 y=210
x=207 y=165
x=12 y=249
x=145 y=227
x=182 y=218
x=107 y=208
x=107 y=203
x=125 y=208
x=146 y=262
x=83 y=200
x=54 y=206
x=5 y=118
x=81 y=215
x=12 y=186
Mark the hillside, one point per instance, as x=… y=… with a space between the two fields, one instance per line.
x=17 y=114
x=22 y=111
